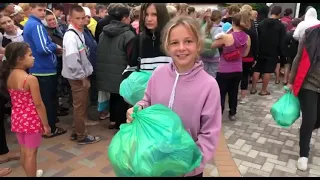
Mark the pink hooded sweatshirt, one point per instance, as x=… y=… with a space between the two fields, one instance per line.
x=195 y=97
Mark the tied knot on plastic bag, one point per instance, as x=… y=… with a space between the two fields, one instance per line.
x=134 y=115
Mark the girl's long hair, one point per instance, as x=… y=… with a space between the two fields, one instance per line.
x=162 y=15
x=13 y=53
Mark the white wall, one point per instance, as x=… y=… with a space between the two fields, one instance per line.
x=294 y=6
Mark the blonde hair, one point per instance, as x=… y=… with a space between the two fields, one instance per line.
x=242 y=20
x=90 y=5
x=135 y=12
x=24 y=6
x=246 y=9
x=172 y=11
x=188 y=22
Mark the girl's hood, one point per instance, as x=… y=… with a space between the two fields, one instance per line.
x=240 y=37
x=187 y=76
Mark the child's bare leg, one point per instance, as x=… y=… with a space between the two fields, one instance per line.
x=22 y=156
x=30 y=162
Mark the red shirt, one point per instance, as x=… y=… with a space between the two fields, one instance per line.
x=288 y=21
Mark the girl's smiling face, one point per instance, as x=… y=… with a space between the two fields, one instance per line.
x=183 y=47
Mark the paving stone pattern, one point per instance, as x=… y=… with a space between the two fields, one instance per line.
x=258 y=147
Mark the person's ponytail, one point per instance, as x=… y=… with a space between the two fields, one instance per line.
x=209 y=26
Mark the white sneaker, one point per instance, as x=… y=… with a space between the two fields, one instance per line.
x=243 y=100
x=302 y=164
x=39 y=173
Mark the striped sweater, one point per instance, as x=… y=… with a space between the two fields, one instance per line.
x=148 y=48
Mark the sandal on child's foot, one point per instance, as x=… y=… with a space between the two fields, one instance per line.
x=253 y=92
x=10 y=156
x=267 y=93
x=104 y=116
x=58 y=132
x=5 y=171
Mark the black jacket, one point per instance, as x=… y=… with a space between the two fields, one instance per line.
x=103 y=22
x=252 y=32
x=290 y=47
x=151 y=47
x=97 y=18
x=228 y=19
x=271 y=34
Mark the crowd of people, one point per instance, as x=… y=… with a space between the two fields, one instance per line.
x=84 y=56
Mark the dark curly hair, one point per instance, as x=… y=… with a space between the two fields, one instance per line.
x=14 y=51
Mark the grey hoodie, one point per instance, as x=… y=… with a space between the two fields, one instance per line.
x=76 y=65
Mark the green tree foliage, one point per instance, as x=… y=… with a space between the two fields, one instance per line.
x=257 y=6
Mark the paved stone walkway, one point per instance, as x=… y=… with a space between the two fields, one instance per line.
x=260 y=147
x=257 y=145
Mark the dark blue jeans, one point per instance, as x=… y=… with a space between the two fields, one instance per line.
x=48 y=91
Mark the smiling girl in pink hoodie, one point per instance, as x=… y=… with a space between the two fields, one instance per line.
x=186 y=88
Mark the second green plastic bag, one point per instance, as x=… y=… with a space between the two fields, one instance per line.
x=286 y=110
x=155 y=144
x=132 y=88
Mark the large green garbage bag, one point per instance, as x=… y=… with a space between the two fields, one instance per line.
x=286 y=110
x=155 y=144
x=207 y=50
x=132 y=88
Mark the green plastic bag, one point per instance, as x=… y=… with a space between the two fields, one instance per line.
x=286 y=110
x=132 y=88
x=155 y=144
x=207 y=50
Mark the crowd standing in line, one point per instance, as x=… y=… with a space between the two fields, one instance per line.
x=86 y=54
